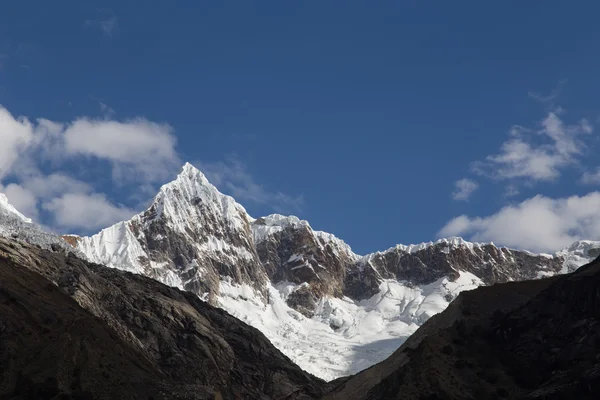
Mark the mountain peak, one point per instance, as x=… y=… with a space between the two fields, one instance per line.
x=191 y=173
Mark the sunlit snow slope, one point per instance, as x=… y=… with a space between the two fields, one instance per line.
x=366 y=332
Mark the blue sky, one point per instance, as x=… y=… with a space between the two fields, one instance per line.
x=381 y=122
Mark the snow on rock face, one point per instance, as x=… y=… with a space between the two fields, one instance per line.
x=291 y=251
x=15 y=225
x=115 y=247
x=330 y=310
x=578 y=254
x=8 y=209
x=424 y=263
x=191 y=236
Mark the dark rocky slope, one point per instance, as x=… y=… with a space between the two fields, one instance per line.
x=522 y=340
x=71 y=329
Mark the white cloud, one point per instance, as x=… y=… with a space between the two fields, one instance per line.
x=139 y=146
x=537 y=224
x=15 y=135
x=232 y=177
x=21 y=198
x=85 y=211
x=521 y=157
x=31 y=189
x=464 y=188
x=54 y=184
x=591 y=177
x=138 y=149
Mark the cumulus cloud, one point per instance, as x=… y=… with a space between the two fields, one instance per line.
x=54 y=184
x=85 y=211
x=538 y=224
x=140 y=146
x=37 y=190
x=137 y=149
x=464 y=188
x=233 y=177
x=537 y=155
x=22 y=199
x=16 y=135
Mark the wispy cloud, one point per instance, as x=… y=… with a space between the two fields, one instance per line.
x=511 y=191
x=464 y=188
x=548 y=99
x=107 y=26
x=523 y=156
x=19 y=55
x=106 y=110
x=3 y=60
x=232 y=176
x=529 y=155
x=591 y=177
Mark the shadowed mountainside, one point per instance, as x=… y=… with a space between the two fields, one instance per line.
x=70 y=329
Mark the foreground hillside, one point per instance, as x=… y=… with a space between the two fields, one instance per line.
x=71 y=329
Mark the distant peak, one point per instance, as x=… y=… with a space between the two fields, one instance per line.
x=451 y=242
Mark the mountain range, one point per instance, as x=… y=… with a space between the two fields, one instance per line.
x=443 y=320
x=331 y=311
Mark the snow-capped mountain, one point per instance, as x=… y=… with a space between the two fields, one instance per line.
x=191 y=236
x=330 y=310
